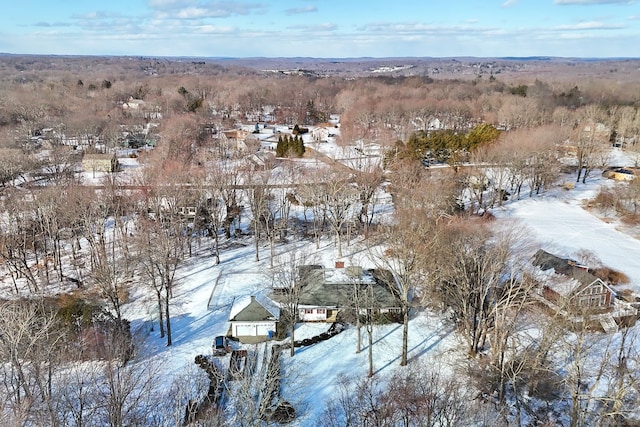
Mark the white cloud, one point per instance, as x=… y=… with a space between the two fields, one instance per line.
x=589 y=26
x=171 y=4
x=314 y=28
x=52 y=24
x=199 y=12
x=300 y=10
x=212 y=29
x=214 y=8
x=509 y=3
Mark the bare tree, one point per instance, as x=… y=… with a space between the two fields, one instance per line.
x=366 y=307
x=480 y=282
x=228 y=179
x=590 y=141
x=161 y=241
x=128 y=393
x=29 y=342
x=59 y=168
x=258 y=195
x=368 y=178
x=287 y=278
x=14 y=166
x=339 y=198
x=19 y=241
x=216 y=206
x=468 y=275
x=311 y=195
x=414 y=397
x=409 y=243
x=77 y=401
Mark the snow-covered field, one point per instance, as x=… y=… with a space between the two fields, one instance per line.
x=559 y=222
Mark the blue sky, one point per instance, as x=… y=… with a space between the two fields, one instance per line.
x=323 y=28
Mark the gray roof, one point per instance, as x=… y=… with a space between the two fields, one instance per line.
x=565 y=266
x=326 y=287
x=252 y=310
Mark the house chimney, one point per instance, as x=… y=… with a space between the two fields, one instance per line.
x=339 y=264
x=253 y=298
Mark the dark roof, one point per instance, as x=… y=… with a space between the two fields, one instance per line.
x=565 y=266
x=336 y=287
x=253 y=311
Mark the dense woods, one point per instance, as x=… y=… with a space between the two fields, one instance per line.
x=74 y=252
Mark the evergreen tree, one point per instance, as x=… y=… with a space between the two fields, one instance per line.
x=280 y=147
x=287 y=145
x=482 y=134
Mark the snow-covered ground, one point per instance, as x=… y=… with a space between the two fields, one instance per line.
x=201 y=309
x=204 y=295
x=560 y=223
x=556 y=220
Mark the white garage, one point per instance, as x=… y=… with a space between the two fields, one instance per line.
x=254 y=317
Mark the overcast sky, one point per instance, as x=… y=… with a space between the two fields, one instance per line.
x=323 y=28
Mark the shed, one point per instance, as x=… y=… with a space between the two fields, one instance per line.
x=100 y=163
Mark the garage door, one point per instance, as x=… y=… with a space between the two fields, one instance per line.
x=263 y=329
x=245 y=330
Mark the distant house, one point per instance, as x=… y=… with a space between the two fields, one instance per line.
x=571 y=290
x=598 y=130
x=254 y=318
x=236 y=138
x=188 y=211
x=133 y=104
x=100 y=162
x=325 y=292
x=576 y=290
x=621 y=174
x=320 y=134
x=434 y=124
x=139 y=108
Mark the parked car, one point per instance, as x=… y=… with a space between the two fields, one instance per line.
x=221 y=346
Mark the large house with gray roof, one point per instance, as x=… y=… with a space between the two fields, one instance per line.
x=577 y=289
x=325 y=292
x=573 y=291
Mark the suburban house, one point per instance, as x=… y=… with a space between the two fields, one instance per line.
x=321 y=133
x=253 y=318
x=570 y=289
x=324 y=292
x=100 y=162
x=235 y=138
x=139 y=108
x=574 y=288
